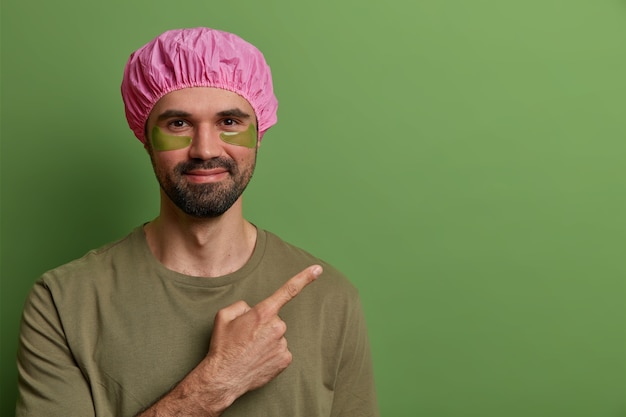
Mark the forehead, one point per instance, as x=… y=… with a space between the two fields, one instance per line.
x=201 y=100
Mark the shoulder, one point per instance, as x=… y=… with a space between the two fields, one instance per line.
x=96 y=263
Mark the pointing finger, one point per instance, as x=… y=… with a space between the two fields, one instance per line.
x=290 y=289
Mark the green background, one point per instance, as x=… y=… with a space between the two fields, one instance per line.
x=462 y=161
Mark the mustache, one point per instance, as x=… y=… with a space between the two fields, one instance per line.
x=225 y=163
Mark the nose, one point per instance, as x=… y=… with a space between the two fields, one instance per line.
x=205 y=143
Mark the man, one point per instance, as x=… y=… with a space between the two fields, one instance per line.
x=198 y=312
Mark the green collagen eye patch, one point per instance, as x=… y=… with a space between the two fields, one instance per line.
x=164 y=142
x=246 y=138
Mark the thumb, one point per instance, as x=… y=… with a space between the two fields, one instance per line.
x=231 y=312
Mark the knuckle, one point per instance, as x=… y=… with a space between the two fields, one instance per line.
x=291 y=289
x=279 y=327
x=222 y=315
x=282 y=326
x=288 y=358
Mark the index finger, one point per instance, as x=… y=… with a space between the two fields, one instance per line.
x=290 y=289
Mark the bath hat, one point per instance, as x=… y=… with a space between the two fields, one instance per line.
x=197 y=57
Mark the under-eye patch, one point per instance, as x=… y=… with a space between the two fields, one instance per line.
x=246 y=138
x=164 y=142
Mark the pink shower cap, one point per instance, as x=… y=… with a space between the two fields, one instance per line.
x=199 y=57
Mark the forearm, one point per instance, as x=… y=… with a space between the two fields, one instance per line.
x=199 y=394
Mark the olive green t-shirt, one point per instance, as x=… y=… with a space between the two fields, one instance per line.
x=110 y=333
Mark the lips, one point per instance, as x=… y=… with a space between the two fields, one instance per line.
x=207 y=175
x=206 y=172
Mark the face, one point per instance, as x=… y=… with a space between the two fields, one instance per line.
x=202 y=143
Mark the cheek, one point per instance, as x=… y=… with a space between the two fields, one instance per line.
x=245 y=158
x=163 y=162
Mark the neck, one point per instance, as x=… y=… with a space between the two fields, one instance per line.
x=210 y=247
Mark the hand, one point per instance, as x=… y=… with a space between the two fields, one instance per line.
x=247 y=350
x=248 y=345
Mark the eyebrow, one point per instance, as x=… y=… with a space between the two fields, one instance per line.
x=234 y=112
x=172 y=113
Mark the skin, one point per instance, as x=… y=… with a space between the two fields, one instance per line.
x=192 y=245
x=248 y=346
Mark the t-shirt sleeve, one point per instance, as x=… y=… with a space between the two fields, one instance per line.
x=355 y=393
x=50 y=382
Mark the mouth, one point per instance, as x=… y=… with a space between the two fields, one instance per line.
x=202 y=176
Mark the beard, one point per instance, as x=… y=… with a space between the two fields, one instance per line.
x=205 y=200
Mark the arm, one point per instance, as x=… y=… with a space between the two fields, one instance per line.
x=247 y=350
x=50 y=382
x=355 y=393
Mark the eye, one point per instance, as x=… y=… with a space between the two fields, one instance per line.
x=230 y=122
x=177 y=124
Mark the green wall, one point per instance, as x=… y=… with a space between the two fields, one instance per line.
x=461 y=160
